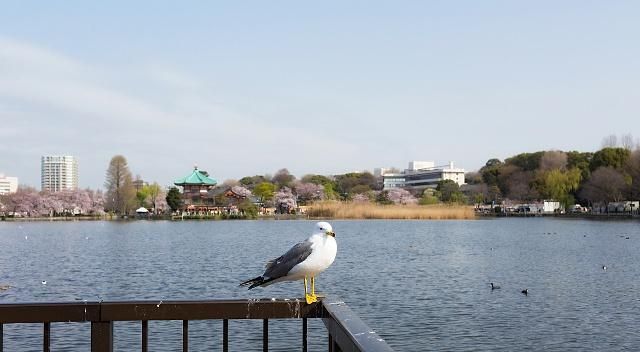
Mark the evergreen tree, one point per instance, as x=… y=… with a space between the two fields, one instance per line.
x=174 y=199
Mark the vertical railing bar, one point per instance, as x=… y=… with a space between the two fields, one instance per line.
x=185 y=336
x=47 y=337
x=225 y=335
x=1 y=337
x=265 y=335
x=145 y=335
x=102 y=336
x=330 y=349
x=304 y=334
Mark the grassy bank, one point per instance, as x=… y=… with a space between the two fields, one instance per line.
x=350 y=210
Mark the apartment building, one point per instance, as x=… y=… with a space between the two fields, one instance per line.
x=59 y=173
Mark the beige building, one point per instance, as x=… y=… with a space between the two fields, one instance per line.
x=59 y=173
x=8 y=184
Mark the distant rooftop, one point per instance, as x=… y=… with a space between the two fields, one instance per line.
x=197 y=177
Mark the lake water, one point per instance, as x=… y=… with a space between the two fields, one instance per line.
x=422 y=285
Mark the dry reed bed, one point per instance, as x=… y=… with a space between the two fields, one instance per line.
x=351 y=210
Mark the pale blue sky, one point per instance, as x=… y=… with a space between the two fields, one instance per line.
x=249 y=87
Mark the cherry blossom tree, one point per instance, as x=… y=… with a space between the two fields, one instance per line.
x=97 y=202
x=23 y=202
x=401 y=196
x=308 y=192
x=241 y=191
x=360 y=198
x=284 y=200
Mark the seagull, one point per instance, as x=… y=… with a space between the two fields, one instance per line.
x=303 y=261
x=525 y=292
x=44 y=282
x=494 y=287
x=604 y=267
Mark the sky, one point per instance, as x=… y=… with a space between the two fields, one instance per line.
x=249 y=87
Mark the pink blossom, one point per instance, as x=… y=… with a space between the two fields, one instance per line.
x=401 y=196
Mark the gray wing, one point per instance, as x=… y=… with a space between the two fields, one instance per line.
x=283 y=264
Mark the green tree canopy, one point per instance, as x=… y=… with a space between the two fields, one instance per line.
x=449 y=191
x=559 y=185
x=251 y=181
x=264 y=191
x=580 y=161
x=610 y=157
x=345 y=183
x=174 y=198
x=328 y=184
x=526 y=161
x=491 y=171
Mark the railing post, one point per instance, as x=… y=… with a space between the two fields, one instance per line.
x=145 y=335
x=46 y=338
x=225 y=335
x=101 y=336
x=185 y=336
x=265 y=335
x=304 y=334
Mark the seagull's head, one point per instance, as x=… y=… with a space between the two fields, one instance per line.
x=325 y=228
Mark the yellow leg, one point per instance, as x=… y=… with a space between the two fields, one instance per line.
x=313 y=288
x=310 y=298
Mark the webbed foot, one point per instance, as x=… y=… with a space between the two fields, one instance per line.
x=311 y=298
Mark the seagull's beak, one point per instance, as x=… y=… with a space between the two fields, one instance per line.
x=331 y=233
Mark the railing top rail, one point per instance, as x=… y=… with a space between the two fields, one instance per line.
x=349 y=331
x=345 y=327
x=267 y=308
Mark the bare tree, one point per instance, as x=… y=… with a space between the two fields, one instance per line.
x=605 y=185
x=121 y=194
x=633 y=169
x=283 y=178
x=553 y=159
x=627 y=141
x=610 y=141
x=520 y=186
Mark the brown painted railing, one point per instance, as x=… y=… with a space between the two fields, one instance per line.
x=347 y=332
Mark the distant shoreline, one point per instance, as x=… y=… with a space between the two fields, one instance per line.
x=346 y=211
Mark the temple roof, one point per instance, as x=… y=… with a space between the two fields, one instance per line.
x=197 y=177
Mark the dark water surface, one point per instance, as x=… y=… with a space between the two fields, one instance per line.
x=422 y=285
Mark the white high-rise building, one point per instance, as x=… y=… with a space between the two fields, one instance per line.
x=59 y=173
x=422 y=174
x=8 y=184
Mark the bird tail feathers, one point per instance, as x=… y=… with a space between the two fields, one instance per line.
x=256 y=281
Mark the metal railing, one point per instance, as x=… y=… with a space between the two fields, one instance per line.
x=347 y=332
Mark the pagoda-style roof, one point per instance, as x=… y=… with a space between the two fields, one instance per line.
x=197 y=177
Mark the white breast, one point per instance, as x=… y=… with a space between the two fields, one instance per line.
x=323 y=254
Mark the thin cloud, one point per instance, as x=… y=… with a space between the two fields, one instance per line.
x=99 y=111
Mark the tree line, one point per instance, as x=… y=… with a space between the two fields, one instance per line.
x=611 y=174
